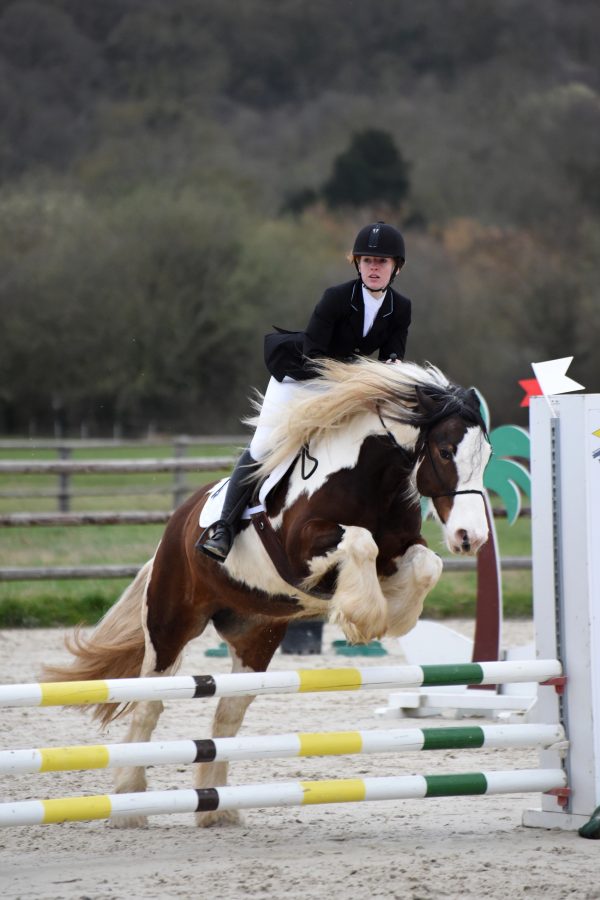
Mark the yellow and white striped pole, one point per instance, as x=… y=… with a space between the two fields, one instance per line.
x=182 y=687
x=300 y=793
x=55 y=759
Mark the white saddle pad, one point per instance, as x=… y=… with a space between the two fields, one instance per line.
x=211 y=511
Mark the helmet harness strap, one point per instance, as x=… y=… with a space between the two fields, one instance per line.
x=393 y=275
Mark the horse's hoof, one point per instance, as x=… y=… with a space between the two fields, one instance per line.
x=218 y=818
x=356 y=634
x=353 y=635
x=129 y=822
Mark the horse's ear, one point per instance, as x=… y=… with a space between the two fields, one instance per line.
x=473 y=398
x=426 y=403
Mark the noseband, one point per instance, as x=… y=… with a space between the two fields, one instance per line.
x=413 y=457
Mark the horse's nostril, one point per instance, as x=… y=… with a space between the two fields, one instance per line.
x=465 y=543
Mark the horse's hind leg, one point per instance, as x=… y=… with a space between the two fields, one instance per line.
x=144 y=719
x=228 y=718
x=146 y=713
x=252 y=650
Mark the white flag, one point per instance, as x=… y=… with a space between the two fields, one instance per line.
x=551 y=376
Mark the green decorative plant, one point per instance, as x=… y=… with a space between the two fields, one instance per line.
x=505 y=475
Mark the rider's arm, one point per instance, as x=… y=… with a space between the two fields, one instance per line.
x=319 y=331
x=395 y=341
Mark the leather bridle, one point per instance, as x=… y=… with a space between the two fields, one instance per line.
x=414 y=456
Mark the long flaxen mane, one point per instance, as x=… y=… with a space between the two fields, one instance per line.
x=345 y=390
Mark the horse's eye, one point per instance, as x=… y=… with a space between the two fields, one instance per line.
x=446 y=454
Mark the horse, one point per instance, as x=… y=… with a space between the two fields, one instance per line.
x=358 y=451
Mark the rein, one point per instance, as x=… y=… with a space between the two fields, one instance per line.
x=409 y=456
x=413 y=456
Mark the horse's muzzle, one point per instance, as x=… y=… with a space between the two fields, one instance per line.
x=464 y=541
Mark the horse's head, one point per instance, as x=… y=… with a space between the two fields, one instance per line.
x=453 y=452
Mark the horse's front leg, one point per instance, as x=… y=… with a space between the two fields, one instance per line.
x=417 y=573
x=358 y=605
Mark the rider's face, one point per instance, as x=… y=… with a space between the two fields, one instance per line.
x=376 y=271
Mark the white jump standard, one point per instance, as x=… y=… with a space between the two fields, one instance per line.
x=565 y=501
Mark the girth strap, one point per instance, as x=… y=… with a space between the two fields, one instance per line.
x=273 y=546
x=278 y=556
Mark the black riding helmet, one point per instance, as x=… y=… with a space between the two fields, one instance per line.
x=380 y=239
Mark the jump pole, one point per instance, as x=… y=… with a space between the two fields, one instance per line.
x=565 y=466
x=260 y=796
x=188 y=687
x=278 y=746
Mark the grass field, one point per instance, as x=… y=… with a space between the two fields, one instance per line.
x=49 y=603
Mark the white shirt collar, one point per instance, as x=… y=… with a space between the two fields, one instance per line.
x=372 y=306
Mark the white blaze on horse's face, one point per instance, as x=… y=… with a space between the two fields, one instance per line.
x=466 y=528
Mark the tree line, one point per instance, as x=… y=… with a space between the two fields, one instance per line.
x=177 y=178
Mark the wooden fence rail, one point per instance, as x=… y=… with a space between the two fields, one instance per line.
x=131 y=517
x=59 y=573
x=54 y=519
x=115 y=466
x=67 y=468
x=179 y=441
x=65 y=573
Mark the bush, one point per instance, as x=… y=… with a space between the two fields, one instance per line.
x=370 y=171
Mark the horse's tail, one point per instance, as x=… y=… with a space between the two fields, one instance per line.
x=114 y=649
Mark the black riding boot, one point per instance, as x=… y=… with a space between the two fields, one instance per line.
x=216 y=541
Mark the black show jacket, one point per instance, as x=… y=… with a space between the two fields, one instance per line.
x=335 y=330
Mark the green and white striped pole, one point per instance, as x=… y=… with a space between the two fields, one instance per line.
x=181 y=687
x=61 y=759
x=300 y=793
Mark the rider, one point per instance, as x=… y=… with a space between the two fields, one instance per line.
x=352 y=319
